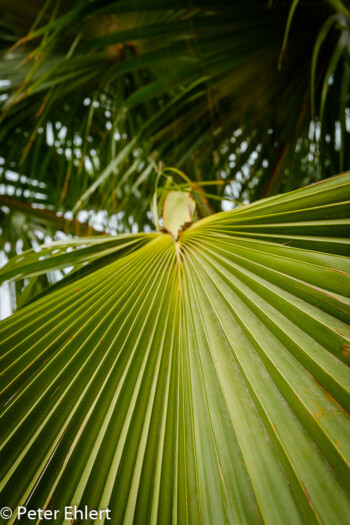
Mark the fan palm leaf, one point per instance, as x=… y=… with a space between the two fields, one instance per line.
x=203 y=380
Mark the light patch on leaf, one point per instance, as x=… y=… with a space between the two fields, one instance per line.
x=178 y=210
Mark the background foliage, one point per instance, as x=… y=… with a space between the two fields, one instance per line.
x=253 y=95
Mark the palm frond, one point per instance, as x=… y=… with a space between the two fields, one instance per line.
x=120 y=85
x=203 y=380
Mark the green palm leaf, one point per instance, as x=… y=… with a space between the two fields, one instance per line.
x=204 y=380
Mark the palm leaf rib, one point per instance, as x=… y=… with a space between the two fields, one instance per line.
x=203 y=380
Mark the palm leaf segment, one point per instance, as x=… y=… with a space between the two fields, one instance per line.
x=198 y=381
